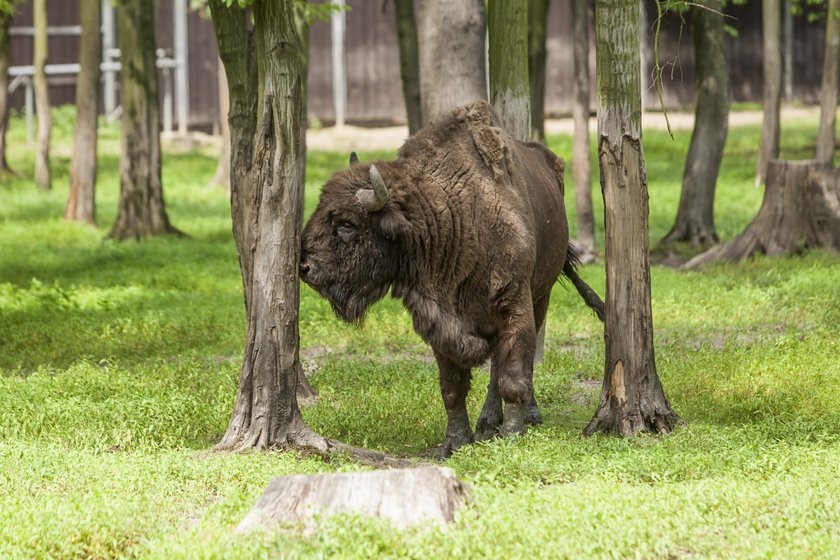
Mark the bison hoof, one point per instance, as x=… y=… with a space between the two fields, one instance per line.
x=532 y=415
x=514 y=421
x=451 y=444
x=488 y=424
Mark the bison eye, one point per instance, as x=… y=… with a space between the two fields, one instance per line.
x=344 y=231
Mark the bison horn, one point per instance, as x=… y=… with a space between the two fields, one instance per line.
x=374 y=200
x=353 y=158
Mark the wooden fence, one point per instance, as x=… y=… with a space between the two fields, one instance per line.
x=371 y=58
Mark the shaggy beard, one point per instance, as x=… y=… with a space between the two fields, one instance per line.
x=351 y=306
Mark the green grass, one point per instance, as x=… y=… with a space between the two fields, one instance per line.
x=119 y=364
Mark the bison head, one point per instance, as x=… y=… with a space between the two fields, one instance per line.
x=350 y=251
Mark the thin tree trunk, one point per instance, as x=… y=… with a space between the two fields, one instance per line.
x=632 y=398
x=772 y=63
x=695 y=220
x=828 y=91
x=141 y=212
x=221 y=178
x=537 y=14
x=409 y=63
x=264 y=73
x=507 y=24
x=452 y=55
x=4 y=84
x=581 y=172
x=42 y=97
x=801 y=209
x=81 y=202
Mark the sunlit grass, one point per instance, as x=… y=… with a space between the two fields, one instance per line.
x=119 y=365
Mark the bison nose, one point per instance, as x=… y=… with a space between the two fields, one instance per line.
x=304 y=267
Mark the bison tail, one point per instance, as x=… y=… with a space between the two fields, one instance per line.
x=592 y=299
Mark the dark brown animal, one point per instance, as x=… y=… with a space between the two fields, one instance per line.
x=468 y=227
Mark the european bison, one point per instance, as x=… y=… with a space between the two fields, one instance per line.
x=467 y=226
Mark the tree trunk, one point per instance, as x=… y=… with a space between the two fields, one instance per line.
x=695 y=220
x=4 y=84
x=452 y=55
x=409 y=63
x=221 y=178
x=632 y=398
x=828 y=91
x=264 y=73
x=772 y=64
x=581 y=172
x=537 y=14
x=801 y=209
x=507 y=24
x=81 y=202
x=42 y=97
x=142 y=212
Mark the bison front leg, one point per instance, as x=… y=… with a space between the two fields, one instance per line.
x=454 y=386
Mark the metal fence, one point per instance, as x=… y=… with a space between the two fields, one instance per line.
x=367 y=62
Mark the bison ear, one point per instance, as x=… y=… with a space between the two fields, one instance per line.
x=353 y=158
x=394 y=224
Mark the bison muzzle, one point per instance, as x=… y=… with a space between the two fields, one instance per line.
x=468 y=227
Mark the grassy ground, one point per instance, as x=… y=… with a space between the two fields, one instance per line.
x=118 y=367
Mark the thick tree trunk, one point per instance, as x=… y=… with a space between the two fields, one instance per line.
x=141 y=210
x=772 y=63
x=81 y=202
x=507 y=24
x=801 y=209
x=632 y=398
x=221 y=178
x=452 y=55
x=4 y=84
x=409 y=63
x=828 y=91
x=537 y=14
x=581 y=172
x=264 y=72
x=42 y=97
x=695 y=220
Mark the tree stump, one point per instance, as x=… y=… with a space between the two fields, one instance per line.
x=404 y=496
x=801 y=210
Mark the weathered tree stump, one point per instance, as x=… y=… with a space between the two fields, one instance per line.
x=801 y=210
x=404 y=496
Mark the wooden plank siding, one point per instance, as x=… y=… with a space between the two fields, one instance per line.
x=374 y=91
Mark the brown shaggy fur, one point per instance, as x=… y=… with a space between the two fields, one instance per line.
x=472 y=238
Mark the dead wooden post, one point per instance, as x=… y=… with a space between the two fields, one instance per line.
x=404 y=496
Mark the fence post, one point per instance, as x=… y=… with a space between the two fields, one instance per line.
x=109 y=95
x=338 y=70
x=181 y=44
x=30 y=111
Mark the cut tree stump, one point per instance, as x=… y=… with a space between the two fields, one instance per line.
x=403 y=496
x=801 y=210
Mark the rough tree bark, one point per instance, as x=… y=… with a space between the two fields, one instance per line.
x=141 y=212
x=828 y=91
x=632 y=398
x=409 y=63
x=507 y=24
x=221 y=178
x=42 y=97
x=452 y=55
x=581 y=168
x=695 y=221
x=537 y=14
x=5 y=46
x=771 y=25
x=801 y=209
x=81 y=205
